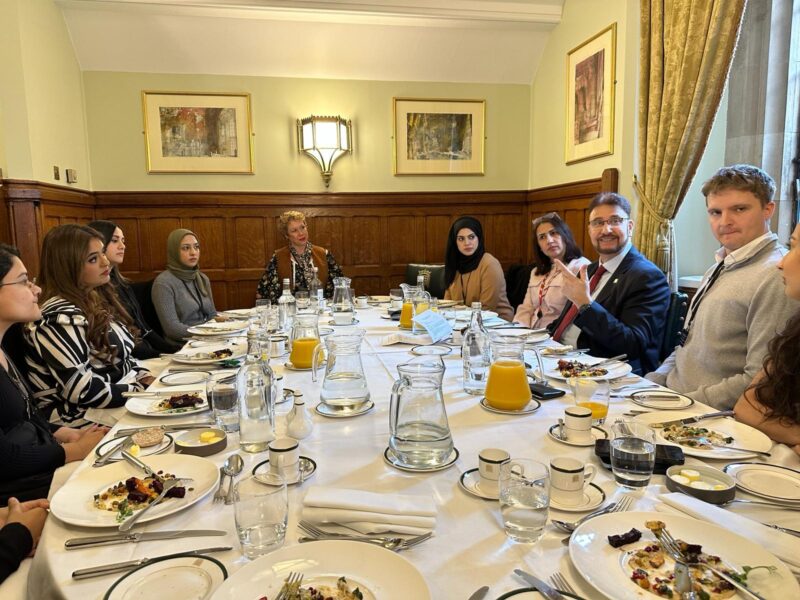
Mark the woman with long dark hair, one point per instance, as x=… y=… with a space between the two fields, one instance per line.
x=770 y=403
x=470 y=273
x=80 y=352
x=150 y=344
x=544 y=300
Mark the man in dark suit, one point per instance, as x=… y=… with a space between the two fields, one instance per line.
x=619 y=304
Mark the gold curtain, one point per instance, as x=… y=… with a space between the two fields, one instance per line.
x=686 y=49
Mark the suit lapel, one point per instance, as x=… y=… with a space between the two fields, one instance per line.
x=617 y=278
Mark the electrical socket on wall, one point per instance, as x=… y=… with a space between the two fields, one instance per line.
x=56 y=173
x=72 y=176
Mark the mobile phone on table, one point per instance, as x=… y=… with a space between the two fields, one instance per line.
x=543 y=391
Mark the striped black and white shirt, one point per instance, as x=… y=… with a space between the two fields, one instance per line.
x=65 y=372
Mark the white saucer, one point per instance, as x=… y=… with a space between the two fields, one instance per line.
x=593 y=496
x=333 y=323
x=391 y=460
x=529 y=408
x=470 y=482
x=291 y=367
x=308 y=467
x=598 y=433
x=343 y=413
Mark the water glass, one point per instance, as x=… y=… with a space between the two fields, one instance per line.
x=261 y=511
x=302 y=299
x=397 y=298
x=524 y=499
x=633 y=454
x=592 y=394
x=223 y=396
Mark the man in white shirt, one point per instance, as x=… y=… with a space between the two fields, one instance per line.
x=740 y=304
x=617 y=305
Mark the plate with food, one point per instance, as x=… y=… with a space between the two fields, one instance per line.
x=711 y=438
x=168 y=404
x=566 y=369
x=106 y=496
x=620 y=557
x=336 y=568
x=208 y=355
x=219 y=328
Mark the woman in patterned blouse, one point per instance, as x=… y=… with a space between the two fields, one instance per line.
x=296 y=261
x=79 y=353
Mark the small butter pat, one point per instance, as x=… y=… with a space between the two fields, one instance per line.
x=690 y=474
x=207 y=436
x=719 y=486
x=134 y=450
x=681 y=479
x=700 y=485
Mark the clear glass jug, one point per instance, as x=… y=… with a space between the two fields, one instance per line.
x=415 y=301
x=304 y=340
x=507 y=384
x=419 y=431
x=343 y=308
x=344 y=385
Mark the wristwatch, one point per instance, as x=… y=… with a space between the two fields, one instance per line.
x=584 y=307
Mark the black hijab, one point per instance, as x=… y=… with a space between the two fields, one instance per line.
x=454 y=261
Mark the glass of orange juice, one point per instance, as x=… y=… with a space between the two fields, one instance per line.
x=304 y=340
x=507 y=383
x=592 y=394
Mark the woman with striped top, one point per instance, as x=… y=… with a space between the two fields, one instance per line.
x=79 y=352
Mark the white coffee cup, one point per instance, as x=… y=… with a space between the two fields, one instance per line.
x=578 y=423
x=568 y=478
x=361 y=301
x=343 y=318
x=284 y=458
x=489 y=461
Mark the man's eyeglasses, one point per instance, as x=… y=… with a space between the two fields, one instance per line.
x=611 y=222
x=23 y=281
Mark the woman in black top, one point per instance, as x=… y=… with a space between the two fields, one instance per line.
x=31 y=449
x=150 y=344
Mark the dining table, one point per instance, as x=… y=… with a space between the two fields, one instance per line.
x=469 y=547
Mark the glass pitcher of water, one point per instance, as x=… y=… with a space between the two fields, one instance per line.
x=415 y=301
x=344 y=385
x=304 y=340
x=507 y=384
x=342 y=305
x=419 y=431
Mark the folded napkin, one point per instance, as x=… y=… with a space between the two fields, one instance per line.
x=370 y=512
x=784 y=546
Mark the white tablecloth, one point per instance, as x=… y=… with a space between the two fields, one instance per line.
x=469 y=548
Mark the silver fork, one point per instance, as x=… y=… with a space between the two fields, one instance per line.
x=621 y=506
x=219 y=496
x=315 y=531
x=670 y=544
x=293 y=581
x=397 y=544
x=560 y=583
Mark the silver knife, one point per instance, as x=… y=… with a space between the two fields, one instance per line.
x=547 y=591
x=480 y=593
x=793 y=532
x=106 y=456
x=608 y=361
x=132 y=564
x=139 y=464
x=690 y=420
x=124 y=538
x=176 y=427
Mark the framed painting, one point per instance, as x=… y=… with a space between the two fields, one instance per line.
x=591 y=82
x=197 y=133
x=438 y=137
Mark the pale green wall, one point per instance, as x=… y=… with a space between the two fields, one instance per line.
x=42 y=94
x=114 y=118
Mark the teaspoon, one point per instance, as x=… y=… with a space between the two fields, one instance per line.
x=232 y=467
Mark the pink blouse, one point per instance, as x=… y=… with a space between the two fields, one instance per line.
x=535 y=314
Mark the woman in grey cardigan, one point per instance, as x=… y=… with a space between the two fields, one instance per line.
x=182 y=294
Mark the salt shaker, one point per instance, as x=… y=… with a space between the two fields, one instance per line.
x=298 y=423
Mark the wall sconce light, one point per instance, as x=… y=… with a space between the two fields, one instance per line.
x=324 y=139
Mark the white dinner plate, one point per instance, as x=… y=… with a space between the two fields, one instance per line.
x=743 y=435
x=184 y=378
x=530 y=594
x=531 y=336
x=73 y=503
x=603 y=566
x=199 y=356
x=219 y=327
x=240 y=312
x=184 y=577
x=768 y=481
x=654 y=399
x=380 y=574
x=466 y=315
x=615 y=369
x=146 y=406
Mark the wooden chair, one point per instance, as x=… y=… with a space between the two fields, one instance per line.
x=434 y=277
x=676 y=318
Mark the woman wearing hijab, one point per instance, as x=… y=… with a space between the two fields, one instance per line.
x=470 y=273
x=182 y=294
x=296 y=261
x=150 y=344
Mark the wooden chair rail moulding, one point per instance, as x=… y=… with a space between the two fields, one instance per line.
x=372 y=235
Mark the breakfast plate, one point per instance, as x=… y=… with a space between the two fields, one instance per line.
x=73 y=502
x=377 y=572
x=780 y=484
x=145 y=451
x=208 y=355
x=147 y=405
x=189 y=577
x=606 y=568
x=219 y=328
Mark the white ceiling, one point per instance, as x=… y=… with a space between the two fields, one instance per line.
x=480 y=41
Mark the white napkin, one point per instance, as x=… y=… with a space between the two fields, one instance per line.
x=370 y=512
x=784 y=546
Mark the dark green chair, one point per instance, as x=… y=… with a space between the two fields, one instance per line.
x=433 y=274
x=676 y=319
x=517 y=279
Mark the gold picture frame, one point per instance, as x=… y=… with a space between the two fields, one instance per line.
x=192 y=132
x=434 y=136
x=591 y=83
